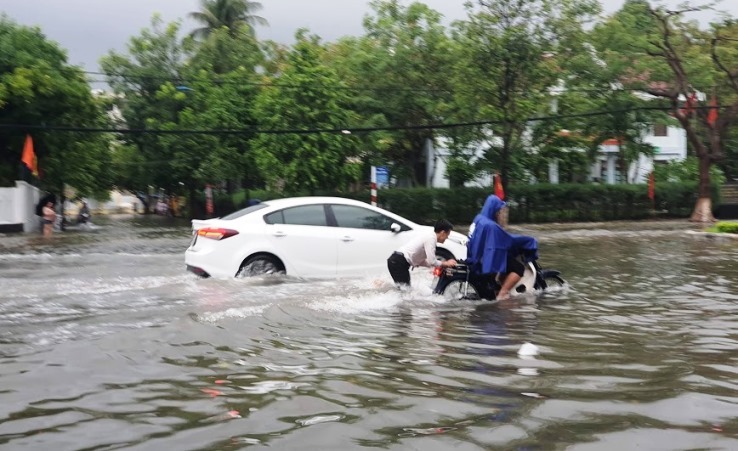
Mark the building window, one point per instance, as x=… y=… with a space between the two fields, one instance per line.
x=660 y=130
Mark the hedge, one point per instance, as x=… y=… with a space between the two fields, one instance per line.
x=537 y=203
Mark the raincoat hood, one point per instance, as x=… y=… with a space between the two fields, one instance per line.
x=492 y=205
x=489 y=244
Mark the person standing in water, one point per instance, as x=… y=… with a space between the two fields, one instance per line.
x=48 y=217
x=421 y=251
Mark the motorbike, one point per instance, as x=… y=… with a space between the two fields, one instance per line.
x=460 y=282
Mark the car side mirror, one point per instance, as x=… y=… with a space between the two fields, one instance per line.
x=395 y=227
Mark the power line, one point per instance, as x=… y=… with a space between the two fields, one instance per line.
x=337 y=130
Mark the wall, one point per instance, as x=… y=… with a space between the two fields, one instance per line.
x=18 y=205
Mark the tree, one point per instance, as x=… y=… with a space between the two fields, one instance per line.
x=230 y=14
x=193 y=101
x=675 y=60
x=305 y=98
x=400 y=73
x=155 y=60
x=511 y=54
x=225 y=102
x=40 y=90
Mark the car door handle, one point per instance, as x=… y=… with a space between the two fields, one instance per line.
x=347 y=239
x=279 y=234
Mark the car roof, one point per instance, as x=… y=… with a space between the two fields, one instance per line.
x=291 y=201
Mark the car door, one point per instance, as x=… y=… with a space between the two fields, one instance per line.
x=301 y=237
x=365 y=240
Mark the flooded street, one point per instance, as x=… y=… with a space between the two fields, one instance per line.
x=107 y=343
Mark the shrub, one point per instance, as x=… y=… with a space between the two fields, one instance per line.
x=727 y=227
x=528 y=203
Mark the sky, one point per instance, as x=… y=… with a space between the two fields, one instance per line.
x=89 y=29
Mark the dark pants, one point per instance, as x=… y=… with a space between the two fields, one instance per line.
x=399 y=268
x=515 y=264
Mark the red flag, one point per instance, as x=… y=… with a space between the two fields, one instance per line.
x=712 y=116
x=499 y=192
x=29 y=156
x=651 y=187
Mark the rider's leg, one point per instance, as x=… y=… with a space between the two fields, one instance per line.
x=507 y=284
x=516 y=269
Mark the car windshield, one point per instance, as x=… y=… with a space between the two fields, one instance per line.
x=245 y=211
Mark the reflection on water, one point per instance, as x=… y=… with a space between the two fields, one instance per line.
x=106 y=342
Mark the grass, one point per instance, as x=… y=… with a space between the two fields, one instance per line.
x=724 y=227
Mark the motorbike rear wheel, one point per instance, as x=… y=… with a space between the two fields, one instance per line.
x=460 y=289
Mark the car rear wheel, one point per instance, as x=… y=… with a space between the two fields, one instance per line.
x=260 y=265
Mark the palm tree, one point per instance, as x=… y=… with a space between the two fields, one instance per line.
x=231 y=14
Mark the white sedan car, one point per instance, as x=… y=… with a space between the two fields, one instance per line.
x=306 y=237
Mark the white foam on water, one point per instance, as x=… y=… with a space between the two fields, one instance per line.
x=373 y=294
x=231 y=313
x=116 y=285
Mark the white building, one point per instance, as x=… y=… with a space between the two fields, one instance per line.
x=670 y=143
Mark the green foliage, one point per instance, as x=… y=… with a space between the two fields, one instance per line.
x=660 y=52
x=227 y=14
x=152 y=96
x=685 y=171
x=594 y=202
x=459 y=170
x=147 y=99
x=306 y=97
x=539 y=203
x=400 y=69
x=38 y=86
x=509 y=54
x=726 y=227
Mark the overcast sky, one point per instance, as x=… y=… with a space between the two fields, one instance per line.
x=88 y=29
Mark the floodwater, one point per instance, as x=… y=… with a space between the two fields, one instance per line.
x=107 y=343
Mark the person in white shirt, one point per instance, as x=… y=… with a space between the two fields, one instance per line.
x=421 y=251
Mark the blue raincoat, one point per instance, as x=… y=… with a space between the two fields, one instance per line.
x=489 y=244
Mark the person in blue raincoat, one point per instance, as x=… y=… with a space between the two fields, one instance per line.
x=492 y=250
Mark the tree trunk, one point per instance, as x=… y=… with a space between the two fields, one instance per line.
x=703 y=208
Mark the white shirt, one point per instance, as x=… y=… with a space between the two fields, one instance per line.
x=421 y=250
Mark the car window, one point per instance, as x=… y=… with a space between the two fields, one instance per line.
x=274 y=218
x=303 y=215
x=245 y=211
x=362 y=218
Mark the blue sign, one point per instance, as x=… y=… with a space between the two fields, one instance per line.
x=382 y=176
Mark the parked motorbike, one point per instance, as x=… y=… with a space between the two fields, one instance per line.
x=460 y=282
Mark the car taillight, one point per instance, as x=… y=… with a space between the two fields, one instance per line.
x=437 y=271
x=216 y=233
